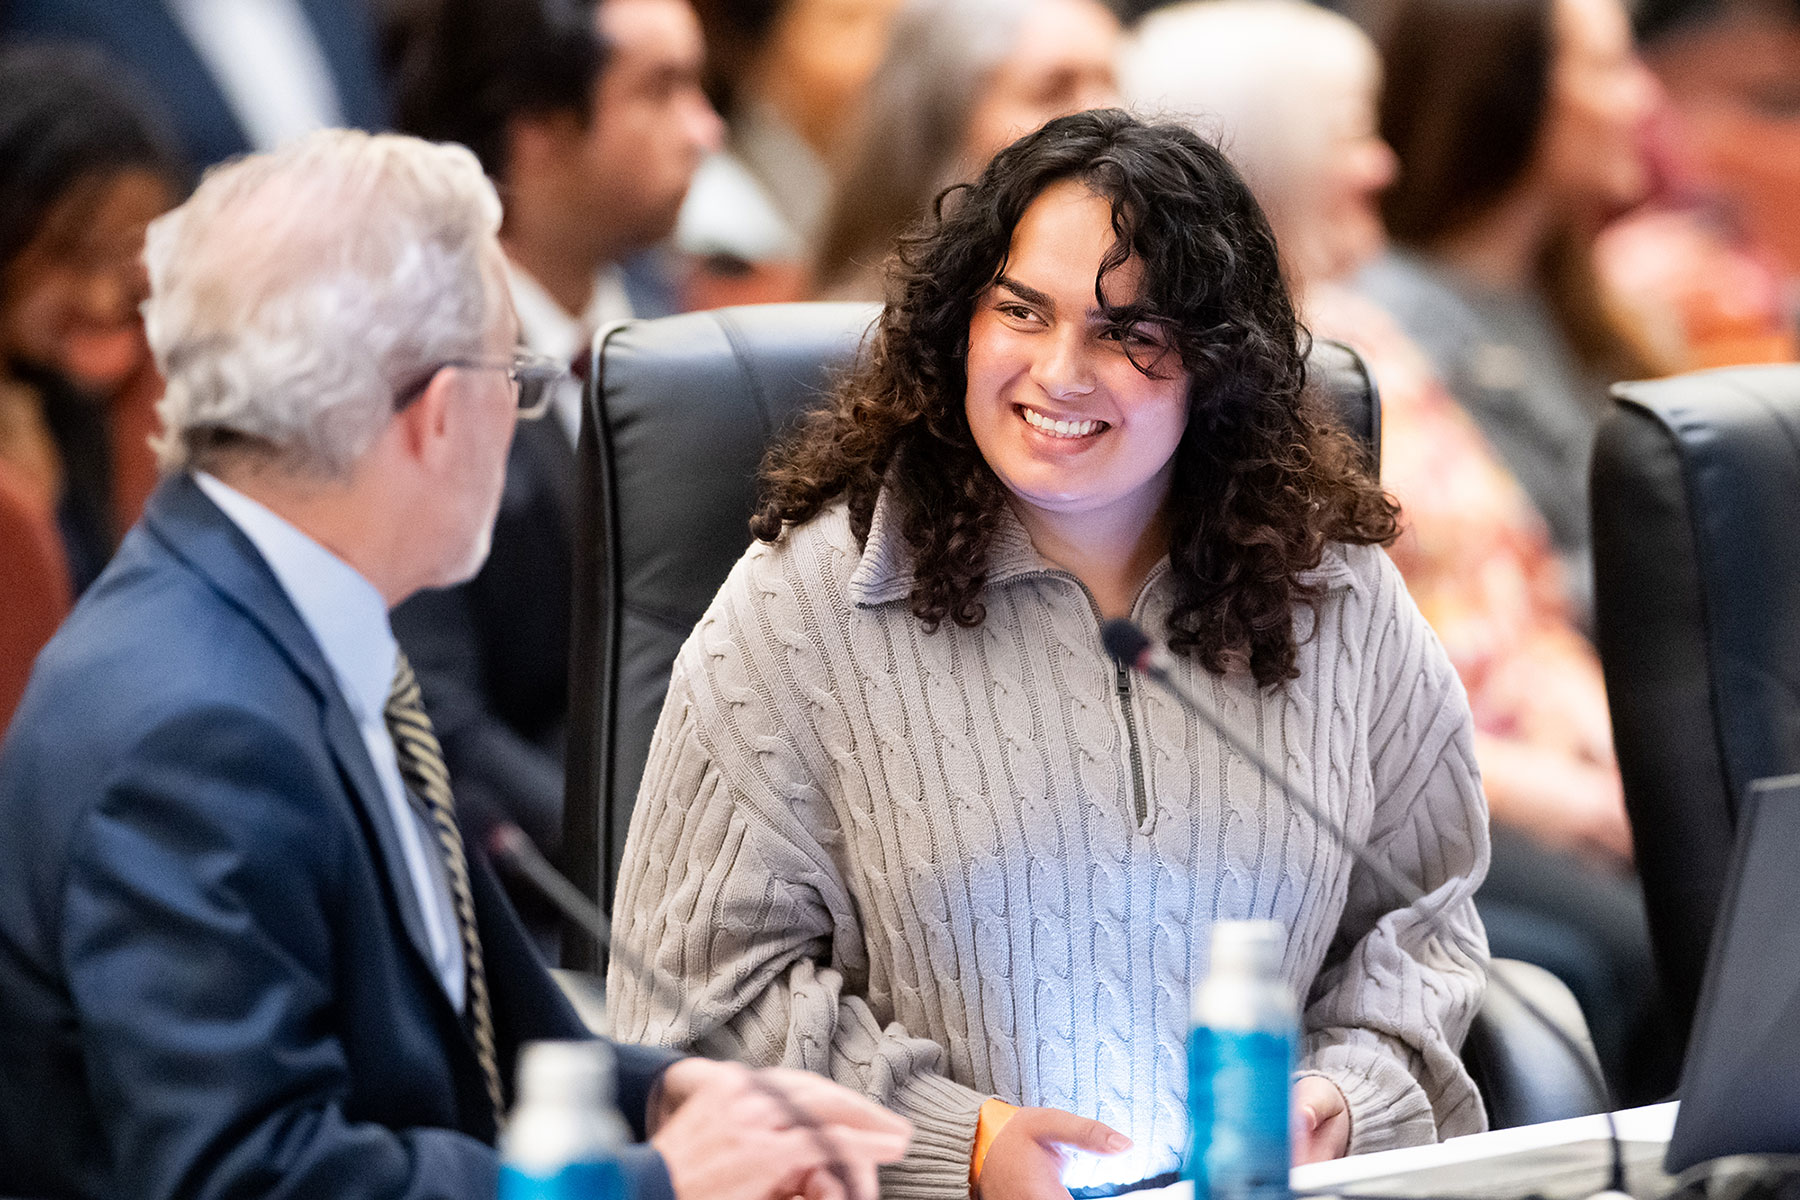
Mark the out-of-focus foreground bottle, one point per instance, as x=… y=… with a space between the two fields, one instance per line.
x=1241 y=1054
x=564 y=1136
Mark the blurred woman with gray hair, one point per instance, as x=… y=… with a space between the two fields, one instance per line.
x=961 y=80
x=1291 y=90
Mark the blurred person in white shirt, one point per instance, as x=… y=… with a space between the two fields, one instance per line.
x=591 y=121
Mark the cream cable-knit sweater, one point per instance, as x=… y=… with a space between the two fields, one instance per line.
x=923 y=864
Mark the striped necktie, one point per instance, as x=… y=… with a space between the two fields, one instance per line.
x=422 y=766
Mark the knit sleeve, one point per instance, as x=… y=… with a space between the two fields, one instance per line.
x=749 y=946
x=1388 y=1013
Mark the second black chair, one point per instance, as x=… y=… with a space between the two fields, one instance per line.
x=1696 y=499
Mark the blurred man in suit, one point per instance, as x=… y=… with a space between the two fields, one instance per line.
x=242 y=948
x=230 y=76
x=591 y=121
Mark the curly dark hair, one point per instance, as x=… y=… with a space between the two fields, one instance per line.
x=1263 y=476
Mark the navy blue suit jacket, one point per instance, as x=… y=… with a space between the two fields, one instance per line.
x=145 y=37
x=213 y=972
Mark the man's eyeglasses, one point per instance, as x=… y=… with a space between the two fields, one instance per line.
x=535 y=378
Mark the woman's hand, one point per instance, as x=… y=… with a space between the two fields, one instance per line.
x=1321 y=1120
x=1026 y=1160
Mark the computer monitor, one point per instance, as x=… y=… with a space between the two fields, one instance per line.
x=1740 y=1082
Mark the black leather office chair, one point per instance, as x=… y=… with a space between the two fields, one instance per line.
x=678 y=413
x=1696 y=503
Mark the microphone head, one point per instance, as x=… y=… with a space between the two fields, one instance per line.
x=486 y=826
x=1126 y=642
x=508 y=843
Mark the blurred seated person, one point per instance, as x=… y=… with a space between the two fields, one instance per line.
x=1291 y=89
x=961 y=80
x=1709 y=275
x=906 y=821
x=591 y=125
x=1519 y=127
x=787 y=74
x=232 y=76
x=82 y=171
x=243 y=950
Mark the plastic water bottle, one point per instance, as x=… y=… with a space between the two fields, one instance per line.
x=1241 y=1054
x=564 y=1136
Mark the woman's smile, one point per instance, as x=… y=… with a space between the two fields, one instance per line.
x=1060 y=429
x=1080 y=436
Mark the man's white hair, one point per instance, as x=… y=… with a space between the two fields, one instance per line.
x=297 y=292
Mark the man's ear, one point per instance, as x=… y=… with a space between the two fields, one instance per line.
x=425 y=423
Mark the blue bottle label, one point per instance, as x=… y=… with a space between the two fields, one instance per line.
x=1238 y=1111
x=576 y=1181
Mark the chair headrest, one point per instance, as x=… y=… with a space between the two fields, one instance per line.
x=1696 y=506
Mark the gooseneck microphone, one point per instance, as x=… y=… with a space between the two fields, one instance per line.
x=512 y=849
x=1134 y=650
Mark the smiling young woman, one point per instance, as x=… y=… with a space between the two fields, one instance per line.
x=1080 y=434
x=905 y=823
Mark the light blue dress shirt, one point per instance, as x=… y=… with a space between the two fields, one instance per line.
x=349 y=620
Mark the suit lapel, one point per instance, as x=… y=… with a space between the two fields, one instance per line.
x=197 y=532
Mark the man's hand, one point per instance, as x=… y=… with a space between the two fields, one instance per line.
x=1321 y=1120
x=727 y=1133
x=1026 y=1160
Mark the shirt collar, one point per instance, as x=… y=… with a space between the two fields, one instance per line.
x=547 y=328
x=885 y=572
x=544 y=325
x=342 y=610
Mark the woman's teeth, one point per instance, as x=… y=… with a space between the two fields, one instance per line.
x=1062 y=429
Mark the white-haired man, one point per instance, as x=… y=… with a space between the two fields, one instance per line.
x=242 y=949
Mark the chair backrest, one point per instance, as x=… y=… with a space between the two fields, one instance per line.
x=677 y=415
x=1527 y=1075
x=1696 y=501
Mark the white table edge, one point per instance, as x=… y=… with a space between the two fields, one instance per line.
x=1649 y=1124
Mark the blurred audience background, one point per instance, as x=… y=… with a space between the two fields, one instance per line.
x=1709 y=273
x=231 y=76
x=1292 y=91
x=961 y=80
x=1499 y=202
x=1519 y=126
x=591 y=121
x=84 y=168
x=788 y=75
